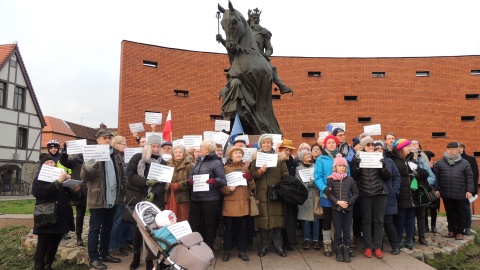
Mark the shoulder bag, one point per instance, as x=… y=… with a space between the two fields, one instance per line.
x=45 y=214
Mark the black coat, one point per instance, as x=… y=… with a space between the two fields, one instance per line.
x=453 y=181
x=291 y=166
x=342 y=190
x=49 y=192
x=292 y=191
x=213 y=166
x=474 y=166
x=370 y=181
x=75 y=164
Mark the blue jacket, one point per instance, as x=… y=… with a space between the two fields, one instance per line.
x=393 y=185
x=323 y=169
x=213 y=166
x=431 y=176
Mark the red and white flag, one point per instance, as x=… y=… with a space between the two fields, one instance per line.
x=167 y=129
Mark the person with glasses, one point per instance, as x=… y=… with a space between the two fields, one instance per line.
x=373 y=198
x=393 y=185
x=316 y=151
x=343 y=147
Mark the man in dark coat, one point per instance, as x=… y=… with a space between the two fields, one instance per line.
x=474 y=165
x=455 y=184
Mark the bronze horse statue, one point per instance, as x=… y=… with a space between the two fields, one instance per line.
x=248 y=91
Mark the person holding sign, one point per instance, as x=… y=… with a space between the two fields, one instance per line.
x=324 y=168
x=177 y=194
x=50 y=236
x=270 y=220
x=373 y=197
x=205 y=204
x=305 y=211
x=408 y=197
x=236 y=205
x=139 y=185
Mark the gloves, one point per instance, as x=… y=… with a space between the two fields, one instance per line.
x=89 y=164
x=247 y=176
x=383 y=163
x=174 y=186
x=211 y=181
x=190 y=182
x=311 y=184
x=151 y=182
x=327 y=191
x=150 y=197
x=64 y=150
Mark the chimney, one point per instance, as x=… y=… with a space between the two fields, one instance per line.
x=103 y=126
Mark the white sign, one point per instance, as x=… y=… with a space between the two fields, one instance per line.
x=248 y=152
x=222 y=125
x=370 y=159
x=242 y=137
x=277 y=140
x=200 y=182
x=190 y=141
x=76 y=146
x=180 y=229
x=129 y=152
x=71 y=183
x=323 y=134
x=472 y=199
x=49 y=173
x=332 y=126
x=412 y=165
x=178 y=142
x=373 y=130
x=235 y=179
x=160 y=172
x=148 y=134
x=166 y=157
x=208 y=135
x=99 y=152
x=221 y=138
x=269 y=159
x=306 y=174
x=136 y=127
x=153 y=118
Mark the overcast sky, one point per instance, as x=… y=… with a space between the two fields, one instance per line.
x=71 y=49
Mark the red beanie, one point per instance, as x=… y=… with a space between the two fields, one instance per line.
x=328 y=138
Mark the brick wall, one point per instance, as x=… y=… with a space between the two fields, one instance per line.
x=411 y=106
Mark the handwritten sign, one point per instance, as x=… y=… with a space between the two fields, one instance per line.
x=190 y=141
x=222 y=125
x=269 y=159
x=153 y=118
x=76 y=146
x=200 y=182
x=370 y=159
x=49 y=173
x=160 y=172
x=136 y=127
x=180 y=229
x=99 y=152
x=306 y=174
x=248 y=153
x=235 y=179
x=129 y=152
x=148 y=134
x=373 y=129
x=71 y=183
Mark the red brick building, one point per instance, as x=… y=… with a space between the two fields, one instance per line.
x=432 y=99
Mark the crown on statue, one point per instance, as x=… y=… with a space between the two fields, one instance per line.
x=254 y=13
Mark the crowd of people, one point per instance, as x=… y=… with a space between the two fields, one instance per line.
x=362 y=202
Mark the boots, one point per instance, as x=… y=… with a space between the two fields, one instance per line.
x=306 y=245
x=135 y=261
x=409 y=243
x=346 y=254
x=48 y=265
x=316 y=245
x=79 y=240
x=327 y=243
x=39 y=266
x=339 y=252
x=226 y=256
x=434 y=229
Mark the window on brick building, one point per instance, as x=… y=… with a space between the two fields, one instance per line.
x=350 y=98
x=276 y=97
x=468 y=118
x=475 y=72
x=423 y=73
x=216 y=117
x=439 y=134
x=314 y=74
x=181 y=93
x=147 y=63
x=365 y=119
x=308 y=134
x=476 y=154
x=378 y=74
x=472 y=96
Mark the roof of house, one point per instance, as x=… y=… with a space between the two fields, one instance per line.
x=59 y=126
x=83 y=131
x=6 y=51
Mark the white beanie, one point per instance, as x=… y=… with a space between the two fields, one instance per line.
x=162 y=218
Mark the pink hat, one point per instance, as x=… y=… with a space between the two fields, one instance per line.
x=339 y=160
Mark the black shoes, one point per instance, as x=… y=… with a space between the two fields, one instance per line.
x=79 y=241
x=288 y=247
x=281 y=252
x=434 y=229
x=242 y=255
x=422 y=241
x=226 y=256
x=395 y=251
x=97 y=265
x=118 y=252
x=110 y=259
x=135 y=262
x=262 y=252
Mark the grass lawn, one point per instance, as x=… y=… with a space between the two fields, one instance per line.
x=23 y=207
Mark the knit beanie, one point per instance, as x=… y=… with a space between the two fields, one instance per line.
x=355 y=142
x=44 y=158
x=337 y=130
x=400 y=144
x=162 y=218
x=263 y=137
x=339 y=160
x=366 y=140
x=328 y=138
x=154 y=139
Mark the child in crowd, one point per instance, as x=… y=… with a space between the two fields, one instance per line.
x=164 y=219
x=342 y=192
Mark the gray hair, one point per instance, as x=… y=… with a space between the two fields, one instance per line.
x=209 y=144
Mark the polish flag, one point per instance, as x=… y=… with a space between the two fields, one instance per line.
x=167 y=129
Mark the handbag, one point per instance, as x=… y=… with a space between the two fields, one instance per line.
x=426 y=196
x=317 y=209
x=45 y=214
x=253 y=206
x=272 y=193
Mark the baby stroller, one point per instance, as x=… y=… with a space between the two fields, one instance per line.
x=188 y=252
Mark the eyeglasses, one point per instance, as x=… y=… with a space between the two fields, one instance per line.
x=341 y=135
x=415 y=143
x=370 y=144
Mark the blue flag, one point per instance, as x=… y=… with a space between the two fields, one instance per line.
x=237 y=129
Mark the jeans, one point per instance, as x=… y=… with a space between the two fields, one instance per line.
x=118 y=234
x=468 y=212
x=307 y=229
x=373 y=212
x=342 y=222
x=405 y=219
x=101 y=222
